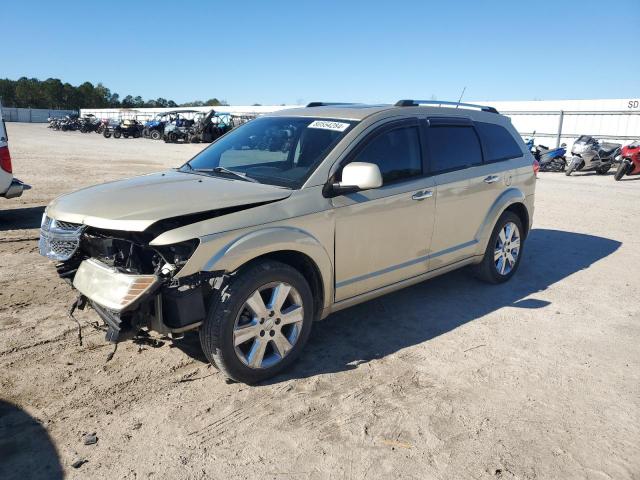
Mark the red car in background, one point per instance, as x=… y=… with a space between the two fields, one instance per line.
x=629 y=160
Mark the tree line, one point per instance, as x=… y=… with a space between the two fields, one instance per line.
x=53 y=94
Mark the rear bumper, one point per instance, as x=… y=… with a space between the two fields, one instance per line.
x=15 y=189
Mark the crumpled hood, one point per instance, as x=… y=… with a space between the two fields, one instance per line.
x=136 y=203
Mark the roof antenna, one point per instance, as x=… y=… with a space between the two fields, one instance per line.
x=460 y=99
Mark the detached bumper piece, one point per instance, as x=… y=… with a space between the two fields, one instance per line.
x=16 y=188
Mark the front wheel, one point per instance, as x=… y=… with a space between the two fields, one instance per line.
x=259 y=326
x=155 y=134
x=622 y=170
x=106 y=134
x=117 y=134
x=603 y=170
x=572 y=166
x=504 y=250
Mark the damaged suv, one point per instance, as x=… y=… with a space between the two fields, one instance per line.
x=293 y=216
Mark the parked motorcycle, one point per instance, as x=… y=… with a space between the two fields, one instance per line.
x=591 y=154
x=551 y=159
x=629 y=161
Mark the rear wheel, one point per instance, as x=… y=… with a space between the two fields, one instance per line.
x=504 y=250
x=604 y=169
x=106 y=134
x=117 y=134
x=155 y=134
x=261 y=323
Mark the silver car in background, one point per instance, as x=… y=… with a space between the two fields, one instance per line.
x=293 y=216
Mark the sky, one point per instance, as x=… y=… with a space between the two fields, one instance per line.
x=275 y=52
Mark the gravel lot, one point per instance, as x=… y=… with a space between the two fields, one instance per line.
x=449 y=379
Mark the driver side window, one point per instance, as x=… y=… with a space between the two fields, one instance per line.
x=396 y=152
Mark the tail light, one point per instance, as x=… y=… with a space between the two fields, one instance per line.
x=5 y=159
x=536 y=167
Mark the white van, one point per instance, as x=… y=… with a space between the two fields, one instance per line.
x=9 y=187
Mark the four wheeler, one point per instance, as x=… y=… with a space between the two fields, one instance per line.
x=180 y=128
x=126 y=128
x=154 y=128
x=89 y=123
x=210 y=126
x=591 y=154
x=629 y=161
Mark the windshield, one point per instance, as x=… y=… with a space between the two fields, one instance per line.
x=281 y=151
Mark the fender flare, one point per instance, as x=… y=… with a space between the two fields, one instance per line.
x=257 y=243
x=505 y=200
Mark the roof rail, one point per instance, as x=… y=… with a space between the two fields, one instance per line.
x=439 y=103
x=326 y=104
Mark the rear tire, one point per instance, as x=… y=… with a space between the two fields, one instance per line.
x=117 y=134
x=232 y=312
x=603 y=170
x=155 y=135
x=496 y=266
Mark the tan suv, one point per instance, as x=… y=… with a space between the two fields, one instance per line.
x=293 y=216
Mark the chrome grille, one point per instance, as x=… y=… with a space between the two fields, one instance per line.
x=59 y=240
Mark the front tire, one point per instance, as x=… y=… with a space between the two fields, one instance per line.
x=603 y=170
x=117 y=134
x=504 y=250
x=155 y=135
x=622 y=170
x=260 y=323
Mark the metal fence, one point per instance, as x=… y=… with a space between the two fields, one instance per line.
x=567 y=125
x=35 y=115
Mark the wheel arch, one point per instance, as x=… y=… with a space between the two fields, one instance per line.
x=512 y=199
x=292 y=246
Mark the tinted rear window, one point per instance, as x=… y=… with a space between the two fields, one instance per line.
x=498 y=142
x=453 y=147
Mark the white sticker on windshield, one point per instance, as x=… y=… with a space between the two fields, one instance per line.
x=326 y=125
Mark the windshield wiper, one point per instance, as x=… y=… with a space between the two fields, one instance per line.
x=241 y=175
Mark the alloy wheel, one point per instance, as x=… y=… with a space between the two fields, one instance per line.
x=507 y=248
x=268 y=325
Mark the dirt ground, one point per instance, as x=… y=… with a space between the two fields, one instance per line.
x=450 y=379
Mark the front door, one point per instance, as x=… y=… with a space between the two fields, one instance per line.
x=383 y=235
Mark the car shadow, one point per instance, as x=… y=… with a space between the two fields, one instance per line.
x=21 y=218
x=26 y=450
x=416 y=314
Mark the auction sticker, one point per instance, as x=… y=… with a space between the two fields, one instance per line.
x=327 y=125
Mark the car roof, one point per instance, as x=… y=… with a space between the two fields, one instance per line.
x=359 y=111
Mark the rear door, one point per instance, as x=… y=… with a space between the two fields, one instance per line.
x=467 y=187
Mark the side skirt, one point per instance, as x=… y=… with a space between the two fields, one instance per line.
x=350 y=302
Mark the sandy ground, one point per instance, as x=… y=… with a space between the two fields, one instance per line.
x=449 y=379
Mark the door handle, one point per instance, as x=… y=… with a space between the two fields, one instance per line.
x=492 y=179
x=422 y=195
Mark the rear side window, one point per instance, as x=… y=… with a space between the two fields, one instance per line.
x=396 y=152
x=453 y=147
x=498 y=142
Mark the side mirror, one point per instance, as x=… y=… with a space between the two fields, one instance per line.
x=356 y=176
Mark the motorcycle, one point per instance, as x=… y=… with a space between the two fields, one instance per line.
x=551 y=159
x=629 y=161
x=591 y=154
